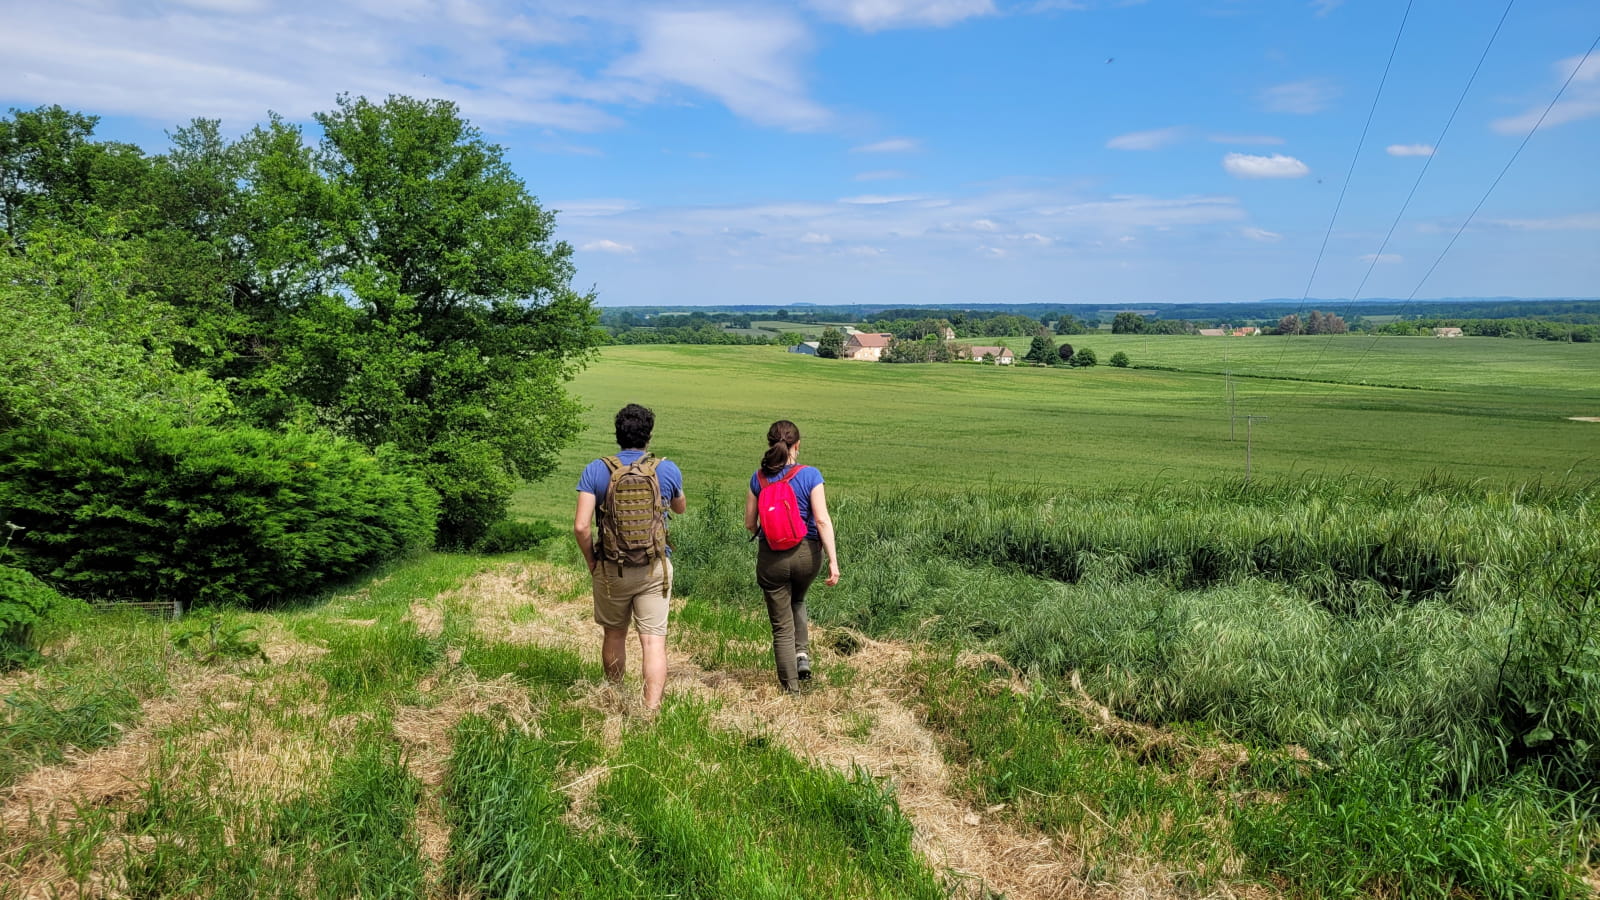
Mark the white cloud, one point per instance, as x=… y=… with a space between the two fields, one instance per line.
x=1410 y=149
x=880 y=175
x=1154 y=139
x=1581 y=100
x=1244 y=165
x=876 y=15
x=879 y=199
x=607 y=246
x=1326 y=6
x=985 y=225
x=748 y=60
x=1382 y=258
x=1574 y=222
x=1261 y=234
x=1299 y=97
x=812 y=237
x=1246 y=139
x=236 y=59
x=892 y=145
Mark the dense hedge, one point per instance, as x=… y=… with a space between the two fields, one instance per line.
x=25 y=604
x=139 y=510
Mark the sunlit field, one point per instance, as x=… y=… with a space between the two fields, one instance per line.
x=1494 y=409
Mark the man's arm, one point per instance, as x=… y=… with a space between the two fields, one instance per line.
x=582 y=527
x=679 y=505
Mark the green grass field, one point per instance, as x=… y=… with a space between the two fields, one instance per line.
x=1493 y=409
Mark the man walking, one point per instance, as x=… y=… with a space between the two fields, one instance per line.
x=631 y=567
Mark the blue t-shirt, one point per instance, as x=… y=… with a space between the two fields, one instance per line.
x=596 y=478
x=803 y=481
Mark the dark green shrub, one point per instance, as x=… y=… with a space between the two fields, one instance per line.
x=203 y=515
x=1083 y=358
x=1119 y=359
x=510 y=535
x=25 y=604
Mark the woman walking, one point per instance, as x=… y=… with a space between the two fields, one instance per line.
x=788 y=509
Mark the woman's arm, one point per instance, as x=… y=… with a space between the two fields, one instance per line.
x=819 y=511
x=750 y=513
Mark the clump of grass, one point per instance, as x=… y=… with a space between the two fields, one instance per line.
x=366 y=665
x=352 y=836
x=554 y=666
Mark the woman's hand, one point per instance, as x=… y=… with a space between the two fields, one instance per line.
x=833 y=575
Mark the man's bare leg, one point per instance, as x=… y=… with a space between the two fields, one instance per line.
x=653 y=650
x=614 y=653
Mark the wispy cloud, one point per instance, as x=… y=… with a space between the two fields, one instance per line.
x=1581 y=100
x=236 y=60
x=1299 y=97
x=1324 y=7
x=1410 y=149
x=1260 y=234
x=876 y=15
x=880 y=175
x=1154 y=139
x=1573 y=222
x=1244 y=165
x=880 y=199
x=1248 y=140
x=748 y=60
x=891 y=145
x=608 y=246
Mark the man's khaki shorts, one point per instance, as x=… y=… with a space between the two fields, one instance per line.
x=640 y=593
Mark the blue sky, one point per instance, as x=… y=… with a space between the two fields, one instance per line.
x=929 y=151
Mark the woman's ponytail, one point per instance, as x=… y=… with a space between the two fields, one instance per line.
x=781 y=438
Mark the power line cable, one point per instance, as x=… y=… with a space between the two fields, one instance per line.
x=1496 y=183
x=1437 y=143
x=1349 y=173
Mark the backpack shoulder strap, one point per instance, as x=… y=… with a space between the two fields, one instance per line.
x=793 y=471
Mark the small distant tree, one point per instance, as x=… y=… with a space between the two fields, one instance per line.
x=1064 y=353
x=783 y=314
x=1289 y=324
x=1127 y=323
x=1119 y=359
x=791 y=338
x=1083 y=359
x=1069 y=324
x=831 y=344
x=1042 y=350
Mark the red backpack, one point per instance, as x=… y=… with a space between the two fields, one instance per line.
x=779 y=511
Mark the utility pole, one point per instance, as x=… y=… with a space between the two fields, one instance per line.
x=1248 y=422
x=1227 y=385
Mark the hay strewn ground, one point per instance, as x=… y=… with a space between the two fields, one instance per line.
x=282 y=746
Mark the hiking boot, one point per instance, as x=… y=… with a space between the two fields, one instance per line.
x=802 y=666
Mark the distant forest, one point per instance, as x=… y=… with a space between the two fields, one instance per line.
x=1563 y=319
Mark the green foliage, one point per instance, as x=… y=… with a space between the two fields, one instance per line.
x=203 y=515
x=78 y=338
x=1083 y=359
x=1042 y=350
x=1128 y=323
x=510 y=535
x=208 y=640
x=38 y=727
x=26 y=603
x=831 y=344
x=1064 y=353
x=1119 y=359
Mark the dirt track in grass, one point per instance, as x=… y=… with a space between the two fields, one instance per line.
x=859 y=715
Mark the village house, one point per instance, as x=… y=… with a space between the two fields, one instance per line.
x=1447 y=332
x=809 y=348
x=1213 y=332
x=1002 y=355
x=1247 y=331
x=947 y=333
x=866 y=346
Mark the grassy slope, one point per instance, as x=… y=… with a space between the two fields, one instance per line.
x=1500 y=412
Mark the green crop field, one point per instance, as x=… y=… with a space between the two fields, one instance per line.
x=1495 y=409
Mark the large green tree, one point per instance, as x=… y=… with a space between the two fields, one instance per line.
x=410 y=294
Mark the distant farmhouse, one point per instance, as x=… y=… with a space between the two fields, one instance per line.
x=1002 y=355
x=867 y=347
x=1447 y=332
x=1225 y=331
x=809 y=348
x=947 y=333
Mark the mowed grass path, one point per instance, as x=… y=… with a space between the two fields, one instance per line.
x=1495 y=409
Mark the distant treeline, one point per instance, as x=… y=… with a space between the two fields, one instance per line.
x=1517 y=328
